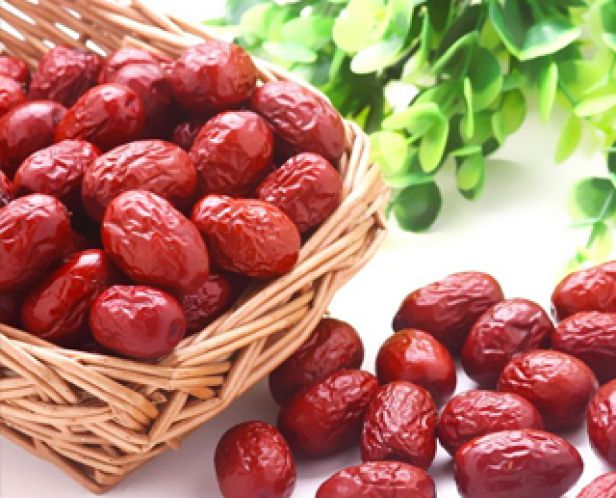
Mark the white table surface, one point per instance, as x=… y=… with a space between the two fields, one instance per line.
x=518 y=231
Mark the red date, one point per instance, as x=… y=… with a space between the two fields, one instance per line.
x=137 y=321
x=7 y=192
x=15 y=69
x=504 y=330
x=602 y=487
x=306 y=187
x=106 y=115
x=379 y=480
x=517 y=463
x=64 y=74
x=253 y=459
x=206 y=303
x=559 y=385
x=34 y=231
x=593 y=289
x=247 y=236
x=212 y=76
x=601 y=423
x=334 y=345
x=307 y=122
x=232 y=152
x=185 y=133
x=591 y=337
x=11 y=94
x=417 y=357
x=153 y=165
x=476 y=413
x=26 y=129
x=447 y=309
x=327 y=416
x=124 y=57
x=400 y=424
x=57 y=308
x=9 y=309
x=153 y=243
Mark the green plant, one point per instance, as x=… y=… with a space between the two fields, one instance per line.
x=467 y=68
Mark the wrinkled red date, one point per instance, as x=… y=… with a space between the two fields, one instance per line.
x=306 y=187
x=253 y=459
x=153 y=243
x=232 y=152
x=25 y=129
x=517 y=463
x=34 y=231
x=56 y=170
x=212 y=76
x=507 y=328
x=591 y=337
x=153 y=165
x=125 y=56
x=14 y=68
x=11 y=94
x=247 y=236
x=602 y=422
x=304 y=120
x=559 y=385
x=447 y=309
x=106 y=115
x=379 y=480
x=334 y=345
x=7 y=192
x=417 y=357
x=593 y=289
x=602 y=487
x=206 y=303
x=57 y=308
x=476 y=413
x=327 y=416
x=137 y=321
x=64 y=74
x=400 y=424
x=185 y=133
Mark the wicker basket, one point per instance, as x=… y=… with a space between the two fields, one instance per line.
x=98 y=417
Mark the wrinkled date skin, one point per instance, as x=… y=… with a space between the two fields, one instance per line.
x=417 y=357
x=34 y=232
x=124 y=57
x=591 y=337
x=207 y=302
x=379 y=480
x=106 y=115
x=9 y=309
x=186 y=132
x=306 y=187
x=212 y=76
x=153 y=165
x=7 y=192
x=327 y=416
x=57 y=309
x=253 y=459
x=475 y=413
x=400 y=424
x=334 y=345
x=507 y=328
x=602 y=487
x=447 y=309
x=307 y=122
x=153 y=243
x=593 y=289
x=602 y=422
x=559 y=385
x=137 y=321
x=26 y=129
x=56 y=170
x=517 y=464
x=64 y=74
x=232 y=152
x=11 y=94
x=247 y=236
x=149 y=82
x=15 y=69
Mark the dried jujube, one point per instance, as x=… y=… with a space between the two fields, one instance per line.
x=601 y=422
x=206 y=302
x=11 y=94
x=15 y=69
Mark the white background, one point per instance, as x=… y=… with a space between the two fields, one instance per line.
x=518 y=231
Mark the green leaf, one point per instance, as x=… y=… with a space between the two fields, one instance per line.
x=389 y=150
x=466 y=22
x=611 y=158
x=290 y=51
x=466 y=150
x=483 y=127
x=513 y=111
x=469 y=124
x=458 y=49
x=548 y=86
x=600 y=243
x=592 y=198
x=439 y=13
x=257 y=19
x=418 y=62
x=417 y=207
x=433 y=144
x=400 y=16
x=312 y=32
x=417 y=119
x=569 y=139
x=486 y=77
x=595 y=105
x=361 y=24
x=471 y=173
x=376 y=57
x=498 y=127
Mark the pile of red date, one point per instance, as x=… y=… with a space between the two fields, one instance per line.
x=503 y=436
x=140 y=195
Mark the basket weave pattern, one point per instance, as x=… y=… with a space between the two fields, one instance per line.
x=99 y=417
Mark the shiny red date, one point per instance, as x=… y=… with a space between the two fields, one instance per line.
x=601 y=423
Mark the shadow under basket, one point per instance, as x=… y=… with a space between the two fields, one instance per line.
x=98 y=417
